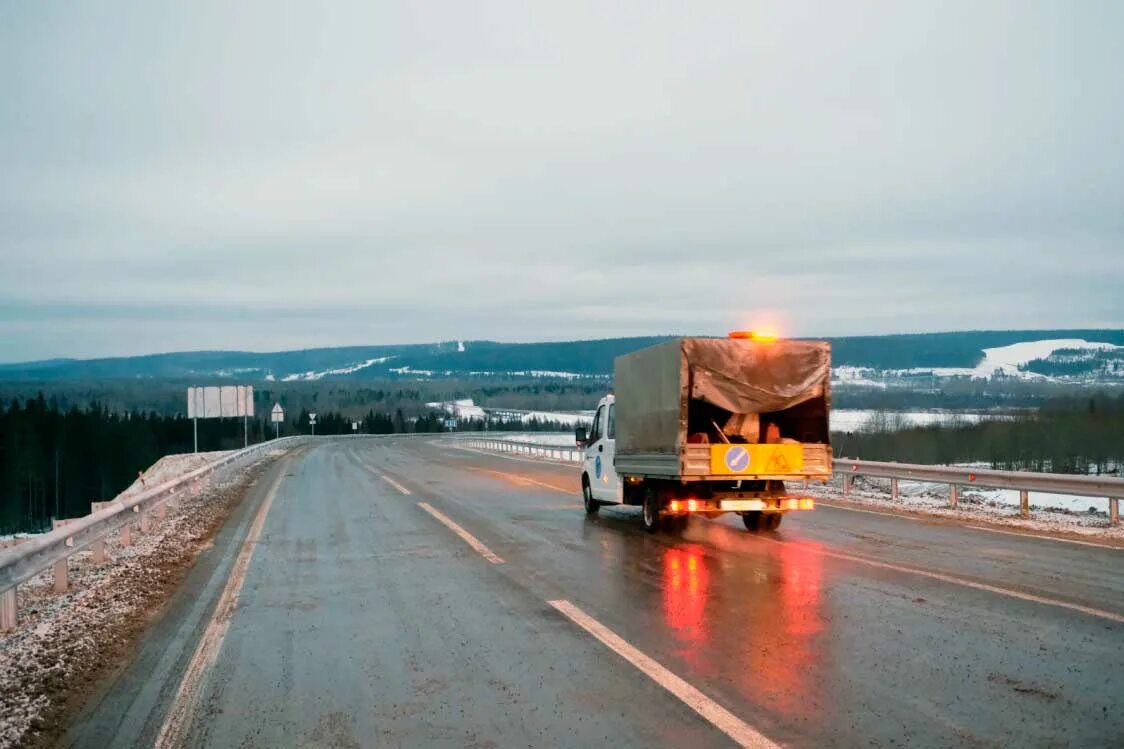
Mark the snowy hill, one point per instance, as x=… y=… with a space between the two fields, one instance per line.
x=1085 y=355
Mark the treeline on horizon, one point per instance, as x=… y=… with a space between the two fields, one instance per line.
x=1072 y=435
x=54 y=461
x=354 y=398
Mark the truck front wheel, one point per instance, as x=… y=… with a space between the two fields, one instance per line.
x=651 y=510
x=591 y=504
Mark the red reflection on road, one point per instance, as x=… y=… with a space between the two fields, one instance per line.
x=784 y=650
x=686 y=586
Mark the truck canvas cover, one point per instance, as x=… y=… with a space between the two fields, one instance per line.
x=653 y=386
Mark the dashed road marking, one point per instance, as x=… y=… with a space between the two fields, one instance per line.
x=468 y=538
x=172 y=732
x=719 y=717
x=395 y=484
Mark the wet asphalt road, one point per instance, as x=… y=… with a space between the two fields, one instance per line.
x=364 y=621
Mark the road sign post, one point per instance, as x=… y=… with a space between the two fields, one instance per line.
x=277 y=415
x=220 y=402
x=312 y=423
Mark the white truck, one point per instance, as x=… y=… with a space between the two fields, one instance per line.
x=704 y=426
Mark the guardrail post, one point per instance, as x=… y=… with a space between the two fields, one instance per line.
x=1114 y=511
x=8 y=618
x=893 y=489
x=98 y=548
x=144 y=522
x=127 y=534
x=847 y=478
x=60 y=576
x=953 y=496
x=1024 y=503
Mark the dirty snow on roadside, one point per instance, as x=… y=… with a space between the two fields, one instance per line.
x=170 y=467
x=975 y=505
x=65 y=642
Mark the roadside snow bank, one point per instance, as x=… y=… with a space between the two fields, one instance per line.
x=170 y=467
x=65 y=643
x=975 y=505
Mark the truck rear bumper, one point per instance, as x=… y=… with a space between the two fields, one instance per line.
x=715 y=506
x=752 y=505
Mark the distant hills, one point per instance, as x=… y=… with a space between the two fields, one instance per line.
x=568 y=359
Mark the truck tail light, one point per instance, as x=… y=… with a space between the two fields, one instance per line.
x=674 y=506
x=692 y=505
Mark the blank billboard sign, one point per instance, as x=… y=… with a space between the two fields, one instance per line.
x=220 y=402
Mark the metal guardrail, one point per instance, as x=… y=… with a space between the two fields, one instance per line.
x=21 y=563
x=566 y=453
x=956 y=477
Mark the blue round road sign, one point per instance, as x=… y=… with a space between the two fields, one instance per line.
x=737 y=459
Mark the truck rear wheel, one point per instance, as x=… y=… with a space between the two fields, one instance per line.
x=753 y=520
x=773 y=520
x=591 y=504
x=651 y=510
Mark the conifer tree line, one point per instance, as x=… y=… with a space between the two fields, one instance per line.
x=54 y=461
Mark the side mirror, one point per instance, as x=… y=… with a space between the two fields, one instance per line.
x=581 y=436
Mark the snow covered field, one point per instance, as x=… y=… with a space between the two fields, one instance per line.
x=857 y=419
x=467 y=409
x=1004 y=360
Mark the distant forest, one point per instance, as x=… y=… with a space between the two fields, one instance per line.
x=1064 y=436
x=353 y=398
x=55 y=460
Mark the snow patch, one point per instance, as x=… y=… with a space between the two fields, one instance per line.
x=314 y=375
x=1007 y=359
x=408 y=370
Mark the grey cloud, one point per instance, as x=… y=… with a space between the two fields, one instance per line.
x=286 y=175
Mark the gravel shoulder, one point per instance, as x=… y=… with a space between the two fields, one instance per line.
x=66 y=645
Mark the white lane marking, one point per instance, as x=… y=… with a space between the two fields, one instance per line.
x=175 y=724
x=721 y=718
x=395 y=484
x=468 y=538
x=1059 y=539
x=821 y=503
x=1111 y=616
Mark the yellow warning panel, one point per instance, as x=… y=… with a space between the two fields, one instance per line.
x=760 y=460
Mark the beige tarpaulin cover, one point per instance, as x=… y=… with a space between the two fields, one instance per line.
x=749 y=377
x=738 y=375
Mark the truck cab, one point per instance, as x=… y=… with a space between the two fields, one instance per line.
x=600 y=483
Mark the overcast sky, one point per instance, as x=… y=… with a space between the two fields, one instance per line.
x=269 y=175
